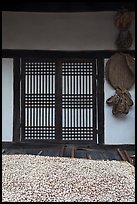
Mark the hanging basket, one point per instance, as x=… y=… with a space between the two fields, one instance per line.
x=120 y=71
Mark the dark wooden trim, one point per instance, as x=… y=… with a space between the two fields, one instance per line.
x=11 y=53
x=58 y=101
x=54 y=6
x=130 y=147
x=94 y=91
x=22 y=100
x=16 y=102
x=100 y=98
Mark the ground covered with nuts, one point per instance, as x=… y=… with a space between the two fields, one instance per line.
x=29 y=178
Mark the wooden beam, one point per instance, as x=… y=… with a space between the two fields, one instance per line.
x=16 y=100
x=100 y=96
x=128 y=157
x=73 y=152
x=54 y=6
x=16 y=53
x=121 y=155
x=62 y=148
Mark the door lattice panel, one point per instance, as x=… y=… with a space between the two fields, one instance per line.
x=58 y=100
x=39 y=100
x=77 y=101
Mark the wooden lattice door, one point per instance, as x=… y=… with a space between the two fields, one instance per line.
x=58 y=100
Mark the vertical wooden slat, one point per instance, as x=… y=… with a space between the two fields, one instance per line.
x=30 y=93
x=71 y=95
x=90 y=100
x=52 y=96
x=34 y=119
x=83 y=105
x=86 y=102
x=27 y=81
x=58 y=104
x=94 y=99
x=49 y=100
x=68 y=95
x=36 y=94
x=43 y=118
x=77 y=96
x=74 y=96
x=16 y=100
x=100 y=95
x=22 y=99
x=39 y=68
x=65 y=81
x=80 y=71
x=46 y=97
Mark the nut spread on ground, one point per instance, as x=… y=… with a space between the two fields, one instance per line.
x=60 y=179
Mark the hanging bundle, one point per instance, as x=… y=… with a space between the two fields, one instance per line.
x=121 y=101
x=124 y=39
x=123 y=21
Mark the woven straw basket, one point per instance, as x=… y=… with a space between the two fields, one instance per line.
x=120 y=71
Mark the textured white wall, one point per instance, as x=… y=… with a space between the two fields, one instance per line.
x=7 y=99
x=60 y=31
x=118 y=130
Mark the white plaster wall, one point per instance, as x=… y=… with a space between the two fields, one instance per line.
x=60 y=31
x=7 y=100
x=118 y=130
